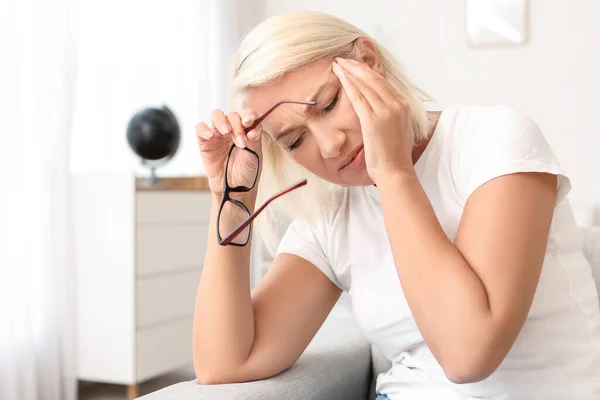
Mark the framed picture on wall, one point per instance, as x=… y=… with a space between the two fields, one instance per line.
x=496 y=22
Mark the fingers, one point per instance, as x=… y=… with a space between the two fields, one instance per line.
x=239 y=135
x=357 y=97
x=370 y=80
x=207 y=137
x=203 y=132
x=220 y=123
x=234 y=126
x=248 y=118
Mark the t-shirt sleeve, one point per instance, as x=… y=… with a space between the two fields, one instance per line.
x=505 y=142
x=308 y=241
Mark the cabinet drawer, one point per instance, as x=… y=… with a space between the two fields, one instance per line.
x=167 y=247
x=164 y=348
x=163 y=298
x=173 y=206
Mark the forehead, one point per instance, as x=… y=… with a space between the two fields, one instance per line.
x=299 y=84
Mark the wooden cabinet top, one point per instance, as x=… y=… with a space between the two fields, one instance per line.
x=173 y=183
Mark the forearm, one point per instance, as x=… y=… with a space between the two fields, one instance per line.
x=223 y=319
x=448 y=300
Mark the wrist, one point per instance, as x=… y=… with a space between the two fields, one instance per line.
x=395 y=188
x=393 y=177
x=248 y=199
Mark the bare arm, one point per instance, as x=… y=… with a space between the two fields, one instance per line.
x=239 y=336
x=470 y=299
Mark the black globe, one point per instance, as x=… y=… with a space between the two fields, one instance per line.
x=153 y=134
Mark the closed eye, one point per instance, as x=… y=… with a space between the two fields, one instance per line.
x=296 y=143
x=332 y=104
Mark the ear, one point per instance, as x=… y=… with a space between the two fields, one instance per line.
x=366 y=51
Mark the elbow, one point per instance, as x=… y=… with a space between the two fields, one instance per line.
x=204 y=379
x=209 y=375
x=206 y=376
x=462 y=376
x=470 y=367
x=212 y=369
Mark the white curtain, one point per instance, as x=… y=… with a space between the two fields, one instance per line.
x=72 y=73
x=36 y=269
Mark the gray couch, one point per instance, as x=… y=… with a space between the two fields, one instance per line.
x=338 y=364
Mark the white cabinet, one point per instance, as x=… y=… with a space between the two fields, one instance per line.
x=139 y=255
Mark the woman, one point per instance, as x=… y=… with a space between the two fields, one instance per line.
x=450 y=230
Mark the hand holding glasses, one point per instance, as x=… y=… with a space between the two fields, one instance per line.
x=233 y=218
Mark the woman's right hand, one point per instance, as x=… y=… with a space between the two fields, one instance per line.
x=215 y=141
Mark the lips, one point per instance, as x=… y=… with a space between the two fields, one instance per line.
x=351 y=157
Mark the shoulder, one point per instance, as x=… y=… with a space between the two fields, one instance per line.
x=487 y=142
x=472 y=122
x=317 y=239
x=472 y=132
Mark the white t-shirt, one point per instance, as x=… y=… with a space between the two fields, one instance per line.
x=556 y=354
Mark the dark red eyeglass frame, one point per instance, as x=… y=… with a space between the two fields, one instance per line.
x=227 y=190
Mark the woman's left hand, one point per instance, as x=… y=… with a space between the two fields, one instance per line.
x=384 y=116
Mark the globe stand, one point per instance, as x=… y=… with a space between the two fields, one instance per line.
x=152 y=181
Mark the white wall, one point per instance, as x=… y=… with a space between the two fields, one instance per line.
x=145 y=53
x=554 y=77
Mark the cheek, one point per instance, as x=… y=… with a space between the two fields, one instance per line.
x=308 y=154
x=309 y=157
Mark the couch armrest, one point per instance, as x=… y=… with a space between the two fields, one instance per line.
x=335 y=365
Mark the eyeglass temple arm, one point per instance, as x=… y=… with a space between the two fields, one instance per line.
x=273 y=107
x=243 y=226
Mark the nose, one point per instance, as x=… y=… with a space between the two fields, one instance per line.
x=330 y=141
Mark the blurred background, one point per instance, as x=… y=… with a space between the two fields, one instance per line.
x=99 y=268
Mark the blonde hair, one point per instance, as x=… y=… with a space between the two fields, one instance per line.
x=284 y=43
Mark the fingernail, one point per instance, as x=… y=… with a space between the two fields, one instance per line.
x=225 y=128
x=208 y=134
x=257 y=136
x=246 y=119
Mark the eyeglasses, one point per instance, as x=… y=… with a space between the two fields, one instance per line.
x=233 y=218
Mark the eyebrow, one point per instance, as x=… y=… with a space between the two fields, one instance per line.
x=294 y=128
